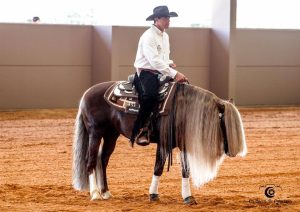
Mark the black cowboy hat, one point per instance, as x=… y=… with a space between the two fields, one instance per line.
x=161 y=11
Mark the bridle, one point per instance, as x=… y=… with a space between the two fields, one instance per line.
x=223 y=127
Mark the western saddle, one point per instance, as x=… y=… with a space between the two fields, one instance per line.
x=123 y=96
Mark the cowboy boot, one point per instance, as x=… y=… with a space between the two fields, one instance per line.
x=142 y=138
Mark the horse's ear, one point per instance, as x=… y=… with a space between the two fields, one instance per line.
x=221 y=107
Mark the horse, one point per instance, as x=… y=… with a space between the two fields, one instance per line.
x=203 y=126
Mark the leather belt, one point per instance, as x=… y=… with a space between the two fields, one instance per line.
x=145 y=69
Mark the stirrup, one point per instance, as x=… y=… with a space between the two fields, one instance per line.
x=142 y=138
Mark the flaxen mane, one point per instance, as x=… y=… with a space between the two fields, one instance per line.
x=194 y=127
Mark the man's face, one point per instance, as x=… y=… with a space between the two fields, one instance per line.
x=163 y=23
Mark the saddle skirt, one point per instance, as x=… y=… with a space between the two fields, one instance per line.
x=123 y=96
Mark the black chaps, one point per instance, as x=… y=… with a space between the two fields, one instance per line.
x=147 y=85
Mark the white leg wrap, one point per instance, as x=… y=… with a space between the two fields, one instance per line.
x=154 y=185
x=186 y=190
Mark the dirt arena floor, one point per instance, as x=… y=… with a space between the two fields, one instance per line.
x=36 y=153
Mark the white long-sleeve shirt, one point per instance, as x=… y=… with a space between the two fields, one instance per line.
x=154 y=51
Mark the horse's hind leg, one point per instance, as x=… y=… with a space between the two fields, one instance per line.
x=185 y=183
x=103 y=158
x=158 y=170
x=94 y=143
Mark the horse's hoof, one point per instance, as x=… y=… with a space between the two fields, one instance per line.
x=95 y=195
x=154 y=197
x=190 y=201
x=106 y=195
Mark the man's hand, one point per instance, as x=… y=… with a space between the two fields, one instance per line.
x=172 y=65
x=179 y=77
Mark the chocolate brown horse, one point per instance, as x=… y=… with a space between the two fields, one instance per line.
x=204 y=127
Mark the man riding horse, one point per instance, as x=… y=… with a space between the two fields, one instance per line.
x=152 y=59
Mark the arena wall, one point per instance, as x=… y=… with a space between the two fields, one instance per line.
x=50 y=66
x=268 y=67
x=43 y=66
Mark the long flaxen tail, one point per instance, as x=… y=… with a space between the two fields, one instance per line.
x=80 y=147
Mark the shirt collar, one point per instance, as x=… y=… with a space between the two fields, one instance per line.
x=155 y=29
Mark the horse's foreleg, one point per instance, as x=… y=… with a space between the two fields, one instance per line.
x=158 y=170
x=185 y=182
